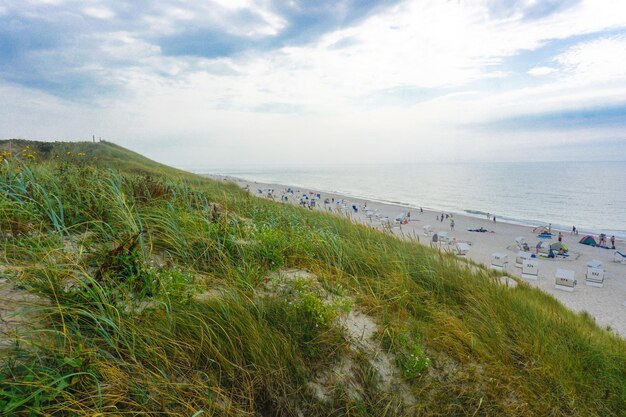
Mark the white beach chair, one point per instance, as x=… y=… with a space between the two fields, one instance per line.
x=444 y=238
x=564 y=280
x=400 y=217
x=521 y=257
x=530 y=269
x=499 y=261
x=462 y=248
x=595 y=273
x=594 y=263
x=428 y=230
x=520 y=241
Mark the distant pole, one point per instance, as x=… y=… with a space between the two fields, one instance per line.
x=94 y=138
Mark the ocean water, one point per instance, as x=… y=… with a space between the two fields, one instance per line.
x=589 y=195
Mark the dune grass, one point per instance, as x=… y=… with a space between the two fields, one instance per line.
x=152 y=298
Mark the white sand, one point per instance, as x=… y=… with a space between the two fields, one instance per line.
x=607 y=304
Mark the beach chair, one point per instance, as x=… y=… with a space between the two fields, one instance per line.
x=520 y=242
x=564 y=280
x=428 y=230
x=444 y=238
x=461 y=248
x=400 y=218
x=530 y=269
x=595 y=273
x=619 y=257
x=499 y=261
x=521 y=257
x=594 y=263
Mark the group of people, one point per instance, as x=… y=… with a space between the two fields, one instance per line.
x=602 y=240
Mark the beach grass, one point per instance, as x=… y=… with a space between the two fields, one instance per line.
x=151 y=291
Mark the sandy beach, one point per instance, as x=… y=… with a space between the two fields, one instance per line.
x=607 y=304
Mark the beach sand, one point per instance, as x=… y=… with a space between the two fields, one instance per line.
x=606 y=304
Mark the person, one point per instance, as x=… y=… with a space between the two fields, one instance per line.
x=573 y=230
x=451 y=224
x=437 y=217
x=561 y=251
x=612 y=241
x=560 y=237
x=441 y=217
x=421 y=210
x=551 y=254
x=408 y=214
x=550 y=228
x=494 y=218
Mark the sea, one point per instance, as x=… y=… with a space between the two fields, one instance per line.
x=588 y=195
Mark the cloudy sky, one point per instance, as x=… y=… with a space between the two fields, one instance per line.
x=221 y=83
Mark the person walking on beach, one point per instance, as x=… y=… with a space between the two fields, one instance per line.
x=451 y=224
x=560 y=237
x=441 y=217
x=573 y=230
x=494 y=218
x=612 y=241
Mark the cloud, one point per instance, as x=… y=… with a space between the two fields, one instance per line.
x=600 y=60
x=539 y=71
x=346 y=75
x=99 y=12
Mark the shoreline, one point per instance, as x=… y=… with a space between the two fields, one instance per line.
x=606 y=304
x=468 y=212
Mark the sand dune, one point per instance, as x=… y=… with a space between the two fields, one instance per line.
x=606 y=304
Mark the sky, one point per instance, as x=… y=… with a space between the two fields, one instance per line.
x=208 y=84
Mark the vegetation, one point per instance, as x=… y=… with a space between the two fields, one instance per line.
x=146 y=290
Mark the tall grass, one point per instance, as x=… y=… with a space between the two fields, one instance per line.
x=153 y=300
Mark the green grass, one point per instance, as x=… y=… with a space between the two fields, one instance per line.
x=154 y=289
